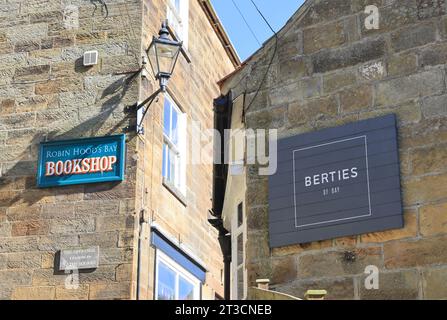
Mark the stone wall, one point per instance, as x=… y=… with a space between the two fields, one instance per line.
x=193 y=87
x=329 y=70
x=46 y=94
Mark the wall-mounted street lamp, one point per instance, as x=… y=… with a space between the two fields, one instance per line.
x=163 y=55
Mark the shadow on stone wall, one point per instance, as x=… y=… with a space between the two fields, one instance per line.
x=19 y=180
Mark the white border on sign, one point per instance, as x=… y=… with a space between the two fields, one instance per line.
x=367 y=178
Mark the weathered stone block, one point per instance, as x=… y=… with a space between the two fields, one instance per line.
x=33 y=293
x=98 y=207
x=109 y=191
x=434 y=106
x=359 y=52
x=257 y=218
x=337 y=263
x=18 y=244
x=337 y=289
x=32 y=73
x=336 y=81
x=11 y=278
x=79 y=293
x=257 y=194
x=326 y=10
x=114 y=255
x=7 y=106
x=434 y=284
x=402 y=64
x=5 y=229
x=110 y=291
x=433 y=219
x=257 y=246
x=422 y=252
x=58 y=226
x=433 y=55
x=360 y=5
x=284 y=269
x=261 y=269
x=424 y=189
x=123 y=272
x=18 y=120
x=29 y=228
x=53 y=243
x=300 y=113
x=22 y=213
x=349 y=242
x=28 y=260
x=59 y=85
x=26 y=46
x=48 y=277
x=401 y=285
x=291 y=70
x=271 y=118
x=414 y=36
x=394 y=91
x=429 y=160
x=57 y=211
x=356 y=99
x=410 y=230
x=47 y=260
x=323 y=36
x=103 y=274
x=109 y=223
x=104 y=240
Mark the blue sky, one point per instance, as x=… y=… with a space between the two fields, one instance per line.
x=277 y=13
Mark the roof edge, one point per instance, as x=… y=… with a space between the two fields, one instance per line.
x=219 y=29
x=297 y=16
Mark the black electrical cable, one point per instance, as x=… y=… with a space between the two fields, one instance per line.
x=271 y=61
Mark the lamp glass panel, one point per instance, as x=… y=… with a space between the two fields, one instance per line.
x=167 y=56
x=151 y=53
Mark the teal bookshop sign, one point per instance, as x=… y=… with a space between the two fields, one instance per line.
x=80 y=161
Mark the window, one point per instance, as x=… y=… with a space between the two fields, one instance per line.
x=174 y=146
x=238 y=254
x=173 y=282
x=177 y=14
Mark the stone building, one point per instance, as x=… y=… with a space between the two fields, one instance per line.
x=150 y=228
x=336 y=63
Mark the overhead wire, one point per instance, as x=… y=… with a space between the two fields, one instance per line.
x=271 y=60
x=246 y=22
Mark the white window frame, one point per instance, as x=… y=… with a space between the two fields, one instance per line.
x=180 y=149
x=179 y=271
x=179 y=21
x=235 y=232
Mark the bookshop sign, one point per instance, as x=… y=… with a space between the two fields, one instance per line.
x=81 y=161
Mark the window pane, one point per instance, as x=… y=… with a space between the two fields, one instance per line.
x=177 y=5
x=240 y=249
x=172 y=171
x=165 y=160
x=240 y=283
x=240 y=215
x=174 y=127
x=167 y=118
x=166 y=283
x=186 y=289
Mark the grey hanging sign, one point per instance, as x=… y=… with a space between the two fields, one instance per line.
x=336 y=182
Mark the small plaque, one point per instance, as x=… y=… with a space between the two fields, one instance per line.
x=78 y=259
